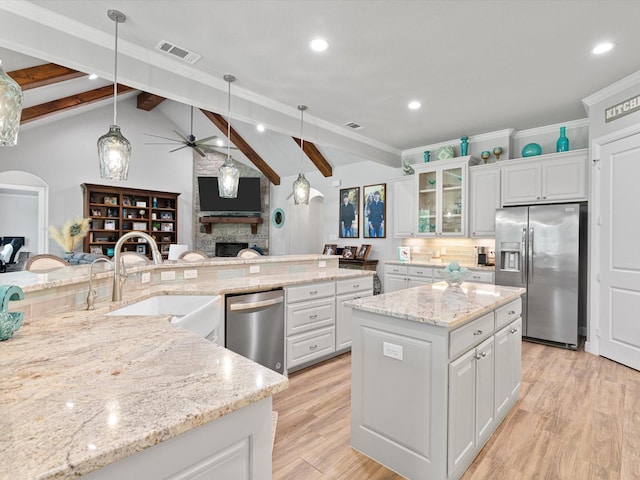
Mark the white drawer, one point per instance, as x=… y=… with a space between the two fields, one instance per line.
x=302 y=317
x=469 y=335
x=354 y=285
x=310 y=292
x=307 y=346
x=482 y=277
x=395 y=269
x=416 y=271
x=509 y=312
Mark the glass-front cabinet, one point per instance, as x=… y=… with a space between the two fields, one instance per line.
x=442 y=197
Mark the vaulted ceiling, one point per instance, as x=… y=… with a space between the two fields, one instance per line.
x=475 y=65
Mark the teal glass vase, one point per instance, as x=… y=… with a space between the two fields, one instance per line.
x=464 y=145
x=562 y=145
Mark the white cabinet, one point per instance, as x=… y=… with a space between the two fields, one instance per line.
x=508 y=346
x=441 y=189
x=484 y=199
x=404 y=206
x=471 y=407
x=348 y=290
x=398 y=277
x=556 y=177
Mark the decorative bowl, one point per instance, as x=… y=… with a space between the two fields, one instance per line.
x=531 y=150
x=444 y=152
x=455 y=277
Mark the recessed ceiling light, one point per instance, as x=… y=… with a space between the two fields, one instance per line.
x=93 y=76
x=260 y=127
x=319 y=45
x=603 y=48
x=415 y=105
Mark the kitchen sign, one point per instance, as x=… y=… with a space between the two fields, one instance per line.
x=622 y=109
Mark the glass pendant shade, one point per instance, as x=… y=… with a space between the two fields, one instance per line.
x=114 y=152
x=228 y=177
x=10 y=109
x=301 y=189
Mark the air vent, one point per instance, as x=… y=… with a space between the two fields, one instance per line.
x=353 y=126
x=179 y=52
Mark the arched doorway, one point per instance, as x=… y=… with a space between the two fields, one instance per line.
x=306 y=223
x=24 y=200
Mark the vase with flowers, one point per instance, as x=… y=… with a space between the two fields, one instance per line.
x=70 y=234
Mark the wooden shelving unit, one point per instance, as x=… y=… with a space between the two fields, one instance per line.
x=115 y=211
x=253 y=221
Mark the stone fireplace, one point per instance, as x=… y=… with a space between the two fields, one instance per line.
x=229 y=249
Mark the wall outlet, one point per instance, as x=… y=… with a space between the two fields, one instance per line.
x=443 y=250
x=254 y=269
x=145 y=277
x=416 y=249
x=189 y=274
x=392 y=350
x=170 y=275
x=322 y=264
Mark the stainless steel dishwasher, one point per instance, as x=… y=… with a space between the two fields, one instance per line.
x=254 y=327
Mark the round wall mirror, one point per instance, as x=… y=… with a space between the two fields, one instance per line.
x=278 y=217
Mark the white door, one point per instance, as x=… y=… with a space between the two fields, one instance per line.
x=619 y=315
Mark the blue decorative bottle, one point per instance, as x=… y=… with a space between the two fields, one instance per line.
x=562 y=145
x=464 y=144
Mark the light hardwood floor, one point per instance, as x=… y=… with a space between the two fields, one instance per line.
x=578 y=417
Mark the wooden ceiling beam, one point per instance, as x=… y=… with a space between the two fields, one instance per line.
x=36 y=112
x=219 y=121
x=316 y=157
x=148 y=101
x=42 y=75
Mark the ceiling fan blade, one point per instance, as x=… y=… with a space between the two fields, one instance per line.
x=162 y=143
x=179 y=148
x=206 y=139
x=181 y=136
x=222 y=149
x=164 y=138
x=198 y=151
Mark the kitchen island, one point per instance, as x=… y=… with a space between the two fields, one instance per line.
x=435 y=369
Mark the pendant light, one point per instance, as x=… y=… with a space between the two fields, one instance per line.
x=113 y=149
x=10 y=109
x=228 y=174
x=301 y=187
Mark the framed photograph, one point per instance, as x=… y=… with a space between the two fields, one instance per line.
x=166 y=216
x=164 y=248
x=363 y=252
x=349 y=208
x=96 y=250
x=96 y=212
x=349 y=252
x=126 y=201
x=141 y=204
x=404 y=254
x=166 y=238
x=139 y=225
x=330 y=249
x=374 y=211
x=141 y=249
x=112 y=212
x=167 y=227
x=110 y=200
x=109 y=224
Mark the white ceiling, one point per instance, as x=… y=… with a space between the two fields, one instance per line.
x=476 y=65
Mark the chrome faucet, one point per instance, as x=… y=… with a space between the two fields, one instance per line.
x=91 y=296
x=119 y=276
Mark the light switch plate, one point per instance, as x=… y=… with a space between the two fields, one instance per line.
x=392 y=350
x=170 y=275
x=443 y=250
x=145 y=277
x=189 y=274
x=254 y=269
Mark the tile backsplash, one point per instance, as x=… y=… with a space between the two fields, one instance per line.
x=446 y=250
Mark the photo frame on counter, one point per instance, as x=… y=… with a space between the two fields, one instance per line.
x=330 y=249
x=349 y=252
x=363 y=252
x=349 y=213
x=374 y=211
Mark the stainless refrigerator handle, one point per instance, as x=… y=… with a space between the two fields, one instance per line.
x=530 y=261
x=523 y=256
x=249 y=305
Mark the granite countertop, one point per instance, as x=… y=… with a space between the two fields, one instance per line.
x=439 y=304
x=482 y=268
x=82 y=390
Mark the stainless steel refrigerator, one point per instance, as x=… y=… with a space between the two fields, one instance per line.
x=544 y=249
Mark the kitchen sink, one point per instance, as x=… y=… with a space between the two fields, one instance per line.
x=199 y=314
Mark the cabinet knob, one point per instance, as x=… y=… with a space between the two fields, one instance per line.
x=511 y=312
x=477 y=332
x=537 y=198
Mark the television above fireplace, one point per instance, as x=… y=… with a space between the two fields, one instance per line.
x=247 y=203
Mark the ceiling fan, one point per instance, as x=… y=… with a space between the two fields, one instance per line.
x=190 y=141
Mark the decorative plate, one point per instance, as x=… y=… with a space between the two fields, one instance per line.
x=444 y=152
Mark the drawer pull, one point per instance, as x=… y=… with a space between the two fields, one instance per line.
x=313 y=317
x=477 y=332
x=313 y=292
x=356 y=286
x=313 y=347
x=511 y=312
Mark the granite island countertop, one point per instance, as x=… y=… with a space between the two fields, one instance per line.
x=82 y=390
x=438 y=303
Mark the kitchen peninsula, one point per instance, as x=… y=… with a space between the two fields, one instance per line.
x=84 y=393
x=435 y=369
